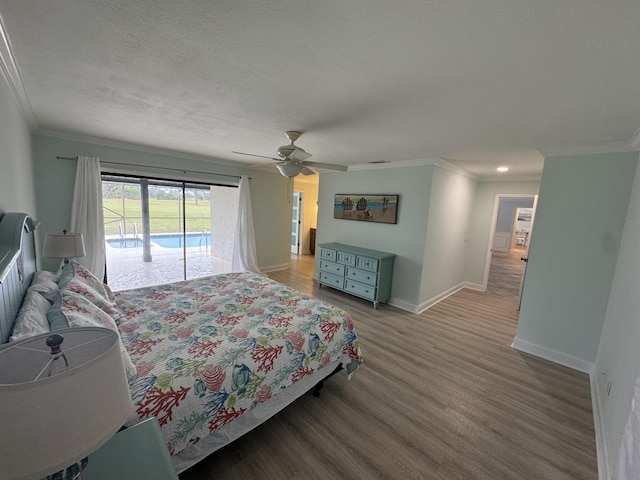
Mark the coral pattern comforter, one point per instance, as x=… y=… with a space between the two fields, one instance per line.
x=208 y=350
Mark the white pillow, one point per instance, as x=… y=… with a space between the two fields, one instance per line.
x=45 y=283
x=32 y=317
x=44 y=275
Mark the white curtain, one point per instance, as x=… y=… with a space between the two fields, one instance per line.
x=86 y=214
x=244 y=245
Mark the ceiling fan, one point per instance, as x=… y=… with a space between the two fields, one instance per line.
x=293 y=159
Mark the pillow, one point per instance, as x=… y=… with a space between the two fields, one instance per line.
x=32 y=317
x=45 y=284
x=78 y=286
x=73 y=270
x=44 y=276
x=72 y=310
x=77 y=279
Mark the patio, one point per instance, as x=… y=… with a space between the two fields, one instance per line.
x=126 y=268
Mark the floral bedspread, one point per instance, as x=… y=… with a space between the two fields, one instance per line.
x=208 y=350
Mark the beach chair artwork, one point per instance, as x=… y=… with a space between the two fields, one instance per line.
x=366 y=207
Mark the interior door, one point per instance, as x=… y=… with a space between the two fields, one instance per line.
x=525 y=258
x=296 y=222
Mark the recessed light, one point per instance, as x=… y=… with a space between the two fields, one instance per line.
x=503 y=169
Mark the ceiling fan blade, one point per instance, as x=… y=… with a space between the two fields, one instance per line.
x=307 y=171
x=299 y=155
x=328 y=166
x=261 y=165
x=259 y=156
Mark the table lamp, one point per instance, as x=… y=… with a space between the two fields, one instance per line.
x=63 y=245
x=62 y=396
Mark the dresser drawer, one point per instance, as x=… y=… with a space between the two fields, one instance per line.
x=332 y=280
x=331 y=267
x=346 y=258
x=366 y=291
x=327 y=254
x=367 y=263
x=362 y=276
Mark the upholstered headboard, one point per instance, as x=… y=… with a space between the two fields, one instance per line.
x=17 y=266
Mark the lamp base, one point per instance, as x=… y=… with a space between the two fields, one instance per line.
x=72 y=472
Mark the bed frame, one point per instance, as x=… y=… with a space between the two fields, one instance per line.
x=17 y=266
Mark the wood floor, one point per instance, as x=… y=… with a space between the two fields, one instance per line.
x=441 y=395
x=505 y=274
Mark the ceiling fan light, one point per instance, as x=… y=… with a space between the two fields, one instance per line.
x=289 y=169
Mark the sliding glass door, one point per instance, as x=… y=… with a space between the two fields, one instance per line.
x=160 y=231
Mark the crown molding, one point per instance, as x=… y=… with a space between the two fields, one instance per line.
x=419 y=162
x=515 y=178
x=137 y=147
x=12 y=77
x=614 y=147
x=399 y=164
x=455 y=169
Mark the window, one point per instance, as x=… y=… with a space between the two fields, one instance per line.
x=159 y=231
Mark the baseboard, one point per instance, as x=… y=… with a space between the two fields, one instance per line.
x=602 y=450
x=555 y=356
x=275 y=268
x=402 y=305
x=438 y=298
x=474 y=286
x=418 y=309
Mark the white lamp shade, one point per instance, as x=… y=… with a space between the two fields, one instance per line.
x=289 y=169
x=63 y=245
x=52 y=422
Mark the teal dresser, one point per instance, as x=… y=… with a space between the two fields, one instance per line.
x=359 y=271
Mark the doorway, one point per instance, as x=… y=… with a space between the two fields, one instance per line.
x=511 y=230
x=160 y=231
x=296 y=222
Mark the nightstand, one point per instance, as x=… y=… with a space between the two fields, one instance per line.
x=135 y=453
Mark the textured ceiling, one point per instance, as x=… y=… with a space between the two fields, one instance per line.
x=478 y=83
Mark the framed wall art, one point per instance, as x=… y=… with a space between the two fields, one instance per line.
x=366 y=207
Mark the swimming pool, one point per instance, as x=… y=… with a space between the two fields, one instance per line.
x=166 y=240
x=175 y=240
x=125 y=242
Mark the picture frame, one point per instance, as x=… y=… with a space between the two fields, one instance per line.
x=366 y=207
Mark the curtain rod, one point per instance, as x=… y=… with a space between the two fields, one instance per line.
x=159 y=168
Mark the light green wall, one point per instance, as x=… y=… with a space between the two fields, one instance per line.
x=445 y=253
x=406 y=239
x=16 y=166
x=618 y=359
x=480 y=225
x=55 y=180
x=573 y=252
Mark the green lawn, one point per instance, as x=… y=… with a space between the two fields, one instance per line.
x=165 y=215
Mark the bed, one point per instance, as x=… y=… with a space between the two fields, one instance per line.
x=210 y=358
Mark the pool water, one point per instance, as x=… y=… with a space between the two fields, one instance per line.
x=175 y=240
x=125 y=242
x=169 y=240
